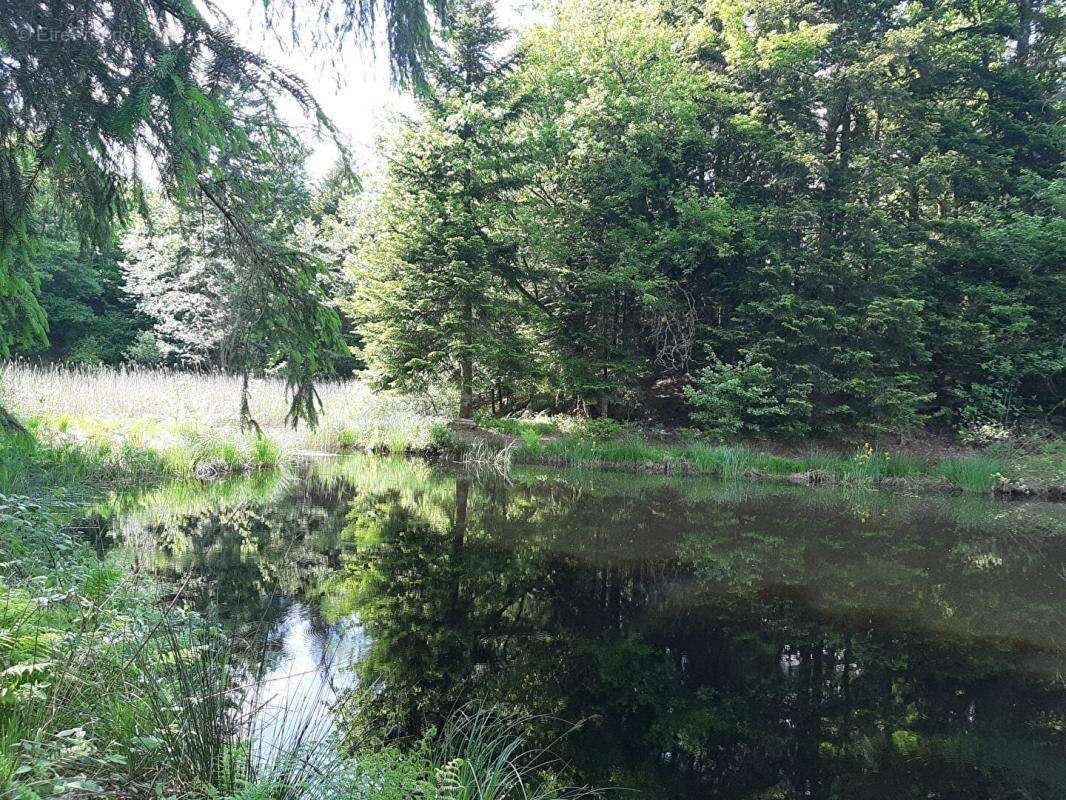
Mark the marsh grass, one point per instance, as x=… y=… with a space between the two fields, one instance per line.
x=159 y=706
x=864 y=467
x=976 y=474
x=105 y=691
x=138 y=422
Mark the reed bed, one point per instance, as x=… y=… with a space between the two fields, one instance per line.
x=193 y=419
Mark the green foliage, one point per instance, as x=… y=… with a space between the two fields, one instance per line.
x=802 y=219
x=732 y=398
x=144 y=351
x=91 y=321
x=443 y=439
x=520 y=426
x=601 y=429
x=433 y=270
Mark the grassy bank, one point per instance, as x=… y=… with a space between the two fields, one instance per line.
x=1039 y=469
x=131 y=425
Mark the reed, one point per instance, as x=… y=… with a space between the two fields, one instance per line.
x=185 y=419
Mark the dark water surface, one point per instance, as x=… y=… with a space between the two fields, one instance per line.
x=713 y=639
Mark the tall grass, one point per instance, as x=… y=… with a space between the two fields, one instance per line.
x=168 y=712
x=864 y=467
x=976 y=474
x=161 y=410
x=483 y=755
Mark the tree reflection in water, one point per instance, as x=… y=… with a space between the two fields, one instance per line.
x=736 y=641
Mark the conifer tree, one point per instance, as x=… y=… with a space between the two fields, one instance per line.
x=432 y=278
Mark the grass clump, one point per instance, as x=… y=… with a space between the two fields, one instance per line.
x=975 y=474
x=479 y=754
x=727 y=461
x=265 y=453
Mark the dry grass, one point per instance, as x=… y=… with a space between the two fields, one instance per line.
x=164 y=408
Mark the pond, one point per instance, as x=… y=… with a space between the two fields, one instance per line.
x=680 y=638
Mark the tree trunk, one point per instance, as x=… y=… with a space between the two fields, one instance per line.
x=466 y=368
x=462 y=499
x=1025 y=29
x=8 y=422
x=247 y=422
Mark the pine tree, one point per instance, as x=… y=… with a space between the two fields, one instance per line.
x=432 y=282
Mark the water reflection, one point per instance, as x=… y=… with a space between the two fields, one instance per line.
x=305 y=680
x=735 y=641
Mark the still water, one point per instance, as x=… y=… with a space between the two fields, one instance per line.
x=707 y=639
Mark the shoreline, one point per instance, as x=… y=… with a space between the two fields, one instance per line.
x=889 y=471
x=929 y=485
x=112 y=456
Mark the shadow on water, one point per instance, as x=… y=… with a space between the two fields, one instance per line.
x=713 y=639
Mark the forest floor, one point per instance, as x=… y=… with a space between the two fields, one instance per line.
x=130 y=425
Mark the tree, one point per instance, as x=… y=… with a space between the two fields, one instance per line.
x=818 y=195
x=432 y=276
x=176 y=267
x=91 y=320
x=89 y=89
x=614 y=221
x=213 y=302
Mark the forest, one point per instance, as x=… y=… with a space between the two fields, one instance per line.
x=789 y=219
x=671 y=401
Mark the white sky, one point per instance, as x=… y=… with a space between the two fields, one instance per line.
x=355 y=92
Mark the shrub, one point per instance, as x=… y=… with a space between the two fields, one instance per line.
x=985 y=433
x=602 y=429
x=443 y=439
x=730 y=398
x=144 y=351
